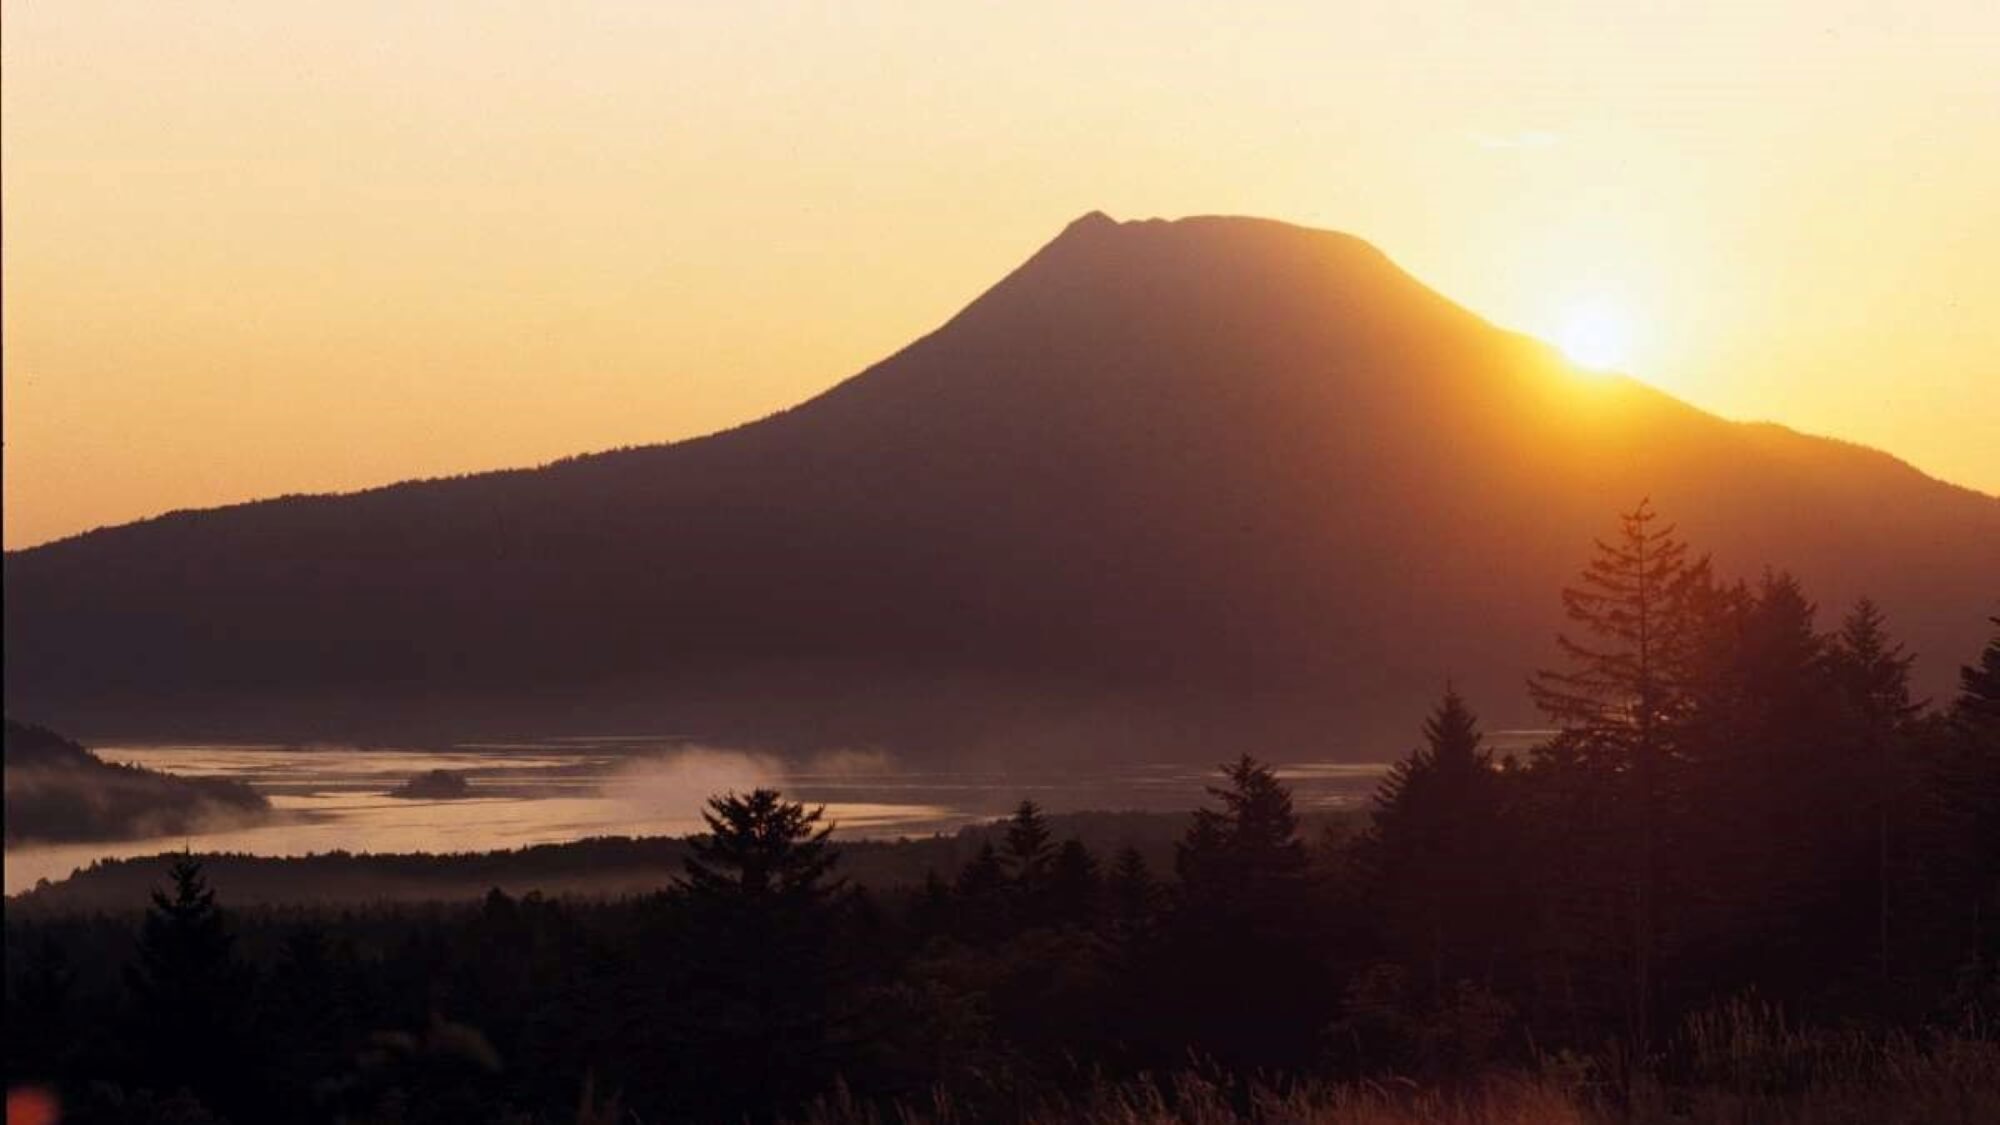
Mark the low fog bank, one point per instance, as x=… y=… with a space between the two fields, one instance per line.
x=678 y=782
x=59 y=792
x=603 y=868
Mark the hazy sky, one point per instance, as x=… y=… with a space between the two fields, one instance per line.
x=263 y=248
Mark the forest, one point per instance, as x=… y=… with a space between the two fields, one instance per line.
x=1750 y=878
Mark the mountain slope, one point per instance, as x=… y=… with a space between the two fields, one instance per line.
x=59 y=792
x=1166 y=488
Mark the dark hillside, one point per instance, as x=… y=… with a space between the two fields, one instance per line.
x=1166 y=485
x=58 y=791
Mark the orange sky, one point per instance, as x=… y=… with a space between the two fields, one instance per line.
x=256 y=249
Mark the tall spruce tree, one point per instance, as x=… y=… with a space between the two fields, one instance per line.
x=191 y=992
x=1029 y=854
x=1619 y=699
x=1133 y=895
x=1625 y=683
x=1779 y=808
x=1431 y=846
x=982 y=893
x=1979 y=684
x=1074 y=885
x=1873 y=673
x=762 y=913
x=1245 y=937
x=1967 y=787
x=1250 y=843
x=762 y=853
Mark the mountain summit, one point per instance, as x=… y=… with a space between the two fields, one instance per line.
x=1168 y=488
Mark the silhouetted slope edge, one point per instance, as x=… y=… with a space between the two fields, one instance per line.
x=1165 y=487
x=57 y=791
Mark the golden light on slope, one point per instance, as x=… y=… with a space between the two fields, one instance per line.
x=1596 y=333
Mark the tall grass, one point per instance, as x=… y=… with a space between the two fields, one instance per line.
x=1738 y=1064
x=1198 y=1099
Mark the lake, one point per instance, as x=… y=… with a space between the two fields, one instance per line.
x=337 y=798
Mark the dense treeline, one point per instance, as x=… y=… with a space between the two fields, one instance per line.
x=595 y=867
x=1743 y=810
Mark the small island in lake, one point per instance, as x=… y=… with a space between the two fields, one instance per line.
x=435 y=785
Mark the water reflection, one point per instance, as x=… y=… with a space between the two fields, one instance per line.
x=336 y=798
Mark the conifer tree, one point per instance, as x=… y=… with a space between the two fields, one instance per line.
x=1782 y=666
x=1873 y=673
x=1244 y=860
x=1251 y=842
x=1245 y=904
x=1620 y=698
x=1074 y=885
x=1979 y=685
x=190 y=989
x=762 y=911
x=1972 y=775
x=1199 y=854
x=1625 y=684
x=1133 y=893
x=982 y=875
x=1967 y=788
x=1431 y=846
x=981 y=890
x=763 y=852
x=1873 y=669
x=930 y=914
x=1028 y=857
x=1780 y=806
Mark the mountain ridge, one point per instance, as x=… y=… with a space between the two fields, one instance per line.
x=1164 y=483
x=1095 y=220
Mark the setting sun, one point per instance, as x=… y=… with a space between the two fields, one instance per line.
x=695 y=562
x=1596 y=334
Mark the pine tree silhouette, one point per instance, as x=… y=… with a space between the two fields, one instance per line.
x=1968 y=788
x=1073 y=885
x=1028 y=843
x=1979 y=684
x=762 y=915
x=1620 y=698
x=1133 y=895
x=1245 y=903
x=1431 y=847
x=1873 y=673
x=982 y=891
x=190 y=991
x=1248 y=846
x=1028 y=857
x=762 y=852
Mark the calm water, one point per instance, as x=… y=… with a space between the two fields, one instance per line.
x=336 y=797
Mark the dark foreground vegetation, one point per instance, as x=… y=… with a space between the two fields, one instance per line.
x=59 y=792
x=1750 y=880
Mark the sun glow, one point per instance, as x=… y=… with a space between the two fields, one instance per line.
x=1596 y=333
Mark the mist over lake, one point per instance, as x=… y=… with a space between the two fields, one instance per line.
x=1032 y=564
x=341 y=798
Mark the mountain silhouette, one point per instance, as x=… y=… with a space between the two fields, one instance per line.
x=1175 y=488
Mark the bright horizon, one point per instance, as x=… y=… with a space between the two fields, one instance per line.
x=251 y=252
